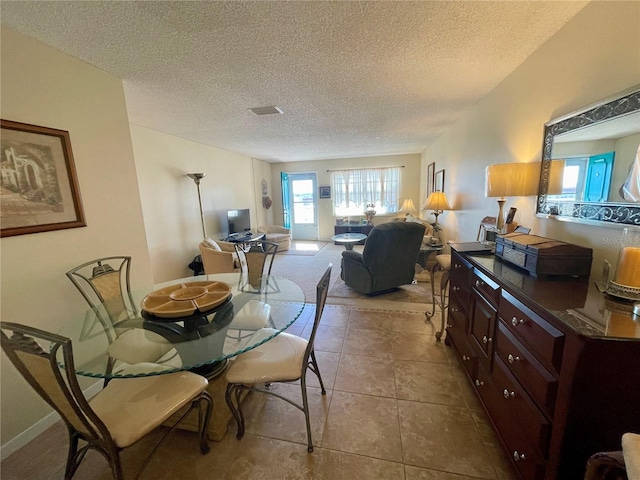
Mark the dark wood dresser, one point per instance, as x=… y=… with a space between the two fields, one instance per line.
x=555 y=363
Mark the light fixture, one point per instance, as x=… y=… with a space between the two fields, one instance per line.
x=196 y=178
x=408 y=207
x=437 y=202
x=510 y=180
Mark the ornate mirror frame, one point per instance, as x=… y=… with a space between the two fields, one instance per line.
x=586 y=212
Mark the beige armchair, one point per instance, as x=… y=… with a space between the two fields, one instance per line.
x=218 y=257
x=277 y=234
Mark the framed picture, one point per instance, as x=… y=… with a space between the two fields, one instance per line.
x=431 y=169
x=39 y=184
x=439 y=181
x=511 y=215
x=325 y=192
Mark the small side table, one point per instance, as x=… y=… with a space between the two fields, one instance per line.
x=348 y=239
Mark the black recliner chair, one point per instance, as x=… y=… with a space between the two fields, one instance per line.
x=387 y=261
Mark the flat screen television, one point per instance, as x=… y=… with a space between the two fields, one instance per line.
x=238 y=221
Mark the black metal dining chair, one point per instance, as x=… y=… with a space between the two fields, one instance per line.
x=285 y=358
x=122 y=413
x=105 y=284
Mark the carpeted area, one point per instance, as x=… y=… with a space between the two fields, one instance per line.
x=306 y=270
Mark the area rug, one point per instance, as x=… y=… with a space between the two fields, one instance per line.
x=407 y=297
x=306 y=270
x=307 y=249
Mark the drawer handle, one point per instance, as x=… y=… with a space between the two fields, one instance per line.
x=519 y=456
x=454 y=309
x=465 y=358
x=486 y=339
x=479 y=283
x=515 y=322
x=457 y=265
x=479 y=383
x=513 y=359
x=456 y=289
x=449 y=325
x=507 y=394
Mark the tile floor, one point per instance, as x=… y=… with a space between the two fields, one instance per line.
x=398 y=406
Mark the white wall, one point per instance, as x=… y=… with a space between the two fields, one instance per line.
x=596 y=55
x=326 y=220
x=43 y=86
x=170 y=198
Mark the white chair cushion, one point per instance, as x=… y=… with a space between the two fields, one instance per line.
x=138 y=345
x=132 y=407
x=444 y=261
x=279 y=359
x=253 y=316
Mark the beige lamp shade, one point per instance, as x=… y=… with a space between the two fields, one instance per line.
x=437 y=201
x=512 y=179
x=408 y=206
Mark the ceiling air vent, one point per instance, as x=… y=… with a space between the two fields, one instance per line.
x=259 y=111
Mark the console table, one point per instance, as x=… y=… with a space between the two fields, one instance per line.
x=553 y=360
x=364 y=229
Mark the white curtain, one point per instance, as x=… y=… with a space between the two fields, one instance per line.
x=355 y=189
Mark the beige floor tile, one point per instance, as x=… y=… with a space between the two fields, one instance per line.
x=373 y=319
x=273 y=417
x=258 y=458
x=333 y=316
x=427 y=382
x=328 y=339
x=363 y=425
x=336 y=465
x=416 y=346
x=328 y=364
x=415 y=473
x=372 y=343
x=443 y=438
x=413 y=323
x=368 y=375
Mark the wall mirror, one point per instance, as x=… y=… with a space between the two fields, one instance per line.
x=590 y=164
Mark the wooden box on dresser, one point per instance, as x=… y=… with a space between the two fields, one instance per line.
x=555 y=364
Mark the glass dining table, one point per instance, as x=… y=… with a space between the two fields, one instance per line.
x=162 y=337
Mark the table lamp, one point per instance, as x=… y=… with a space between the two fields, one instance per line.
x=437 y=202
x=408 y=207
x=196 y=177
x=510 y=180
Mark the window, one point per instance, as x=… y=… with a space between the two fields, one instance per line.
x=354 y=189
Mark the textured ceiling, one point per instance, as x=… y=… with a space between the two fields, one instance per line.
x=353 y=78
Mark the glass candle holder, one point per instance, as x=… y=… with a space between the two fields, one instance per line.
x=628 y=266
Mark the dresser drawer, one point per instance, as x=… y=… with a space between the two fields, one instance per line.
x=530 y=420
x=460 y=268
x=541 y=338
x=489 y=289
x=458 y=317
x=537 y=381
x=459 y=292
x=467 y=357
x=527 y=460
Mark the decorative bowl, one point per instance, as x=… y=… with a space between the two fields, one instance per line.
x=185 y=299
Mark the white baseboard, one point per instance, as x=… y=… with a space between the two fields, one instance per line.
x=20 y=440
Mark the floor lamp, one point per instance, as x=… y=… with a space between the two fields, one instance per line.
x=196 y=178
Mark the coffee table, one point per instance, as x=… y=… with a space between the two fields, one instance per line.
x=348 y=239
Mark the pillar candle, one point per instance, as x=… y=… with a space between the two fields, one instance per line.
x=628 y=270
